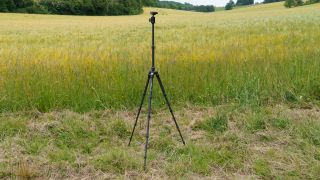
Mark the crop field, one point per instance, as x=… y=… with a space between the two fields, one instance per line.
x=82 y=63
x=245 y=84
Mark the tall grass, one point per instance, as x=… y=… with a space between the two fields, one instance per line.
x=262 y=55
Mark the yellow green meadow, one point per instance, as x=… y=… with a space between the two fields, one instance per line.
x=255 y=55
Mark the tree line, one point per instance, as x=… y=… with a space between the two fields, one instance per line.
x=74 y=7
x=231 y=4
x=182 y=6
x=295 y=3
x=288 y=3
x=92 y=7
x=118 y=7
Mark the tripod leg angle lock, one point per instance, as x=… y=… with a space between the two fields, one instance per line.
x=153 y=73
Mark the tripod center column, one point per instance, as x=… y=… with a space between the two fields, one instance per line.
x=153 y=48
x=153 y=21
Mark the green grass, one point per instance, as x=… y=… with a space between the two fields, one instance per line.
x=11 y=127
x=35 y=144
x=257 y=122
x=120 y=129
x=310 y=134
x=117 y=160
x=256 y=55
x=214 y=124
x=262 y=168
x=281 y=123
x=220 y=9
x=62 y=155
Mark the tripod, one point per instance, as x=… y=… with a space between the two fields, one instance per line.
x=153 y=73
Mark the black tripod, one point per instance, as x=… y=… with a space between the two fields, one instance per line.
x=151 y=75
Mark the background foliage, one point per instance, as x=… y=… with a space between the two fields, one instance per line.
x=92 y=7
x=244 y=2
x=230 y=5
x=74 y=7
x=185 y=6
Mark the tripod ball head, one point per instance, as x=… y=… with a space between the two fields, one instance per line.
x=153 y=19
x=153 y=13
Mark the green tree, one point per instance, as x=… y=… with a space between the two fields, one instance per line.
x=3 y=6
x=245 y=2
x=10 y=5
x=88 y=8
x=289 y=3
x=185 y=6
x=230 y=5
x=78 y=7
x=149 y=2
x=23 y=3
x=299 y=2
x=293 y=3
x=101 y=7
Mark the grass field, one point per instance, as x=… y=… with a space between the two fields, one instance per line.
x=245 y=83
x=254 y=55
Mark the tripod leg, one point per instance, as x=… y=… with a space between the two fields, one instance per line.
x=169 y=106
x=138 y=114
x=148 y=122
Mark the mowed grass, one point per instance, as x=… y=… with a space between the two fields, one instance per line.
x=224 y=142
x=258 y=55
